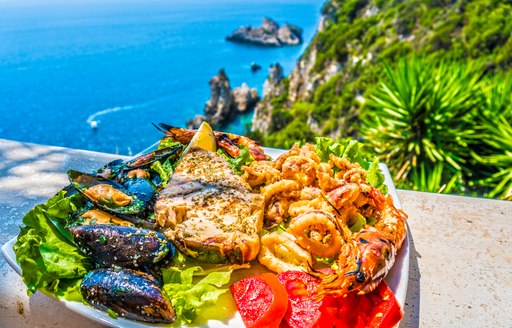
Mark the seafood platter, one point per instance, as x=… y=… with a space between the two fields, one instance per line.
x=213 y=230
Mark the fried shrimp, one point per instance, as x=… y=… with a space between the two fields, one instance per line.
x=331 y=212
x=294 y=151
x=301 y=169
x=261 y=173
x=366 y=259
x=325 y=177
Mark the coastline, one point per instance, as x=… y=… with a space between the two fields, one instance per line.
x=73 y=64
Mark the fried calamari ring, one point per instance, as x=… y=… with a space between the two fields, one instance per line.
x=316 y=232
x=281 y=189
x=280 y=253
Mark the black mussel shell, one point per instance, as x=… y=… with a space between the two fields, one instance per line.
x=134 y=212
x=121 y=246
x=131 y=294
x=111 y=169
x=141 y=188
x=149 y=158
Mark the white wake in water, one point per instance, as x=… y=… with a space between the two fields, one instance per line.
x=93 y=121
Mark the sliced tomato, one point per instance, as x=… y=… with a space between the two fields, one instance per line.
x=378 y=309
x=261 y=300
x=304 y=310
x=386 y=311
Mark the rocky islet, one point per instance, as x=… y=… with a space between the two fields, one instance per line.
x=269 y=34
x=224 y=103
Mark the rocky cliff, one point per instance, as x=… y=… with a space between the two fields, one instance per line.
x=325 y=92
x=225 y=103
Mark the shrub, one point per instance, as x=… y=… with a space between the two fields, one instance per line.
x=420 y=122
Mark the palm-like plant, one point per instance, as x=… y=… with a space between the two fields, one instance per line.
x=495 y=116
x=420 y=122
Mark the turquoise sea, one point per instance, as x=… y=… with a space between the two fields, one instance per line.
x=126 y=64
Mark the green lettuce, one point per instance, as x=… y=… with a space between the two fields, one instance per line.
x=50 y=262
x=168 y=142
x=186 y=296
x=244 y=159
x=353 y=151
x=164 y=170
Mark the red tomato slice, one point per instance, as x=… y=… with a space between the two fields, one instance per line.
x=261 y=300
x=304 y=311
x=386 y=311
x=378 y=309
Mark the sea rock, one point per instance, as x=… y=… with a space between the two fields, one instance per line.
x=269 y=26
x=255 y=67
x=197 y=120
x=275 y=75
x=245 y=98
x=273 y=87
x=268 y=34
x=289 y=34
x=223 y=103
x=219 y=107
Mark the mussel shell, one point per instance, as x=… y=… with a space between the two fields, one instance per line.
x=131 y=294
x=121 y=246
x=142 y=190
x=111 y=169
x=149 y=158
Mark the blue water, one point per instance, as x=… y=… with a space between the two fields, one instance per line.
x=127 y=64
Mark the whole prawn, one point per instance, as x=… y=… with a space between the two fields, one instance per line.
x=367 y=256
x=227 y=141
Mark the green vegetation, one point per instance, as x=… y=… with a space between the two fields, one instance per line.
x=442 y=127
x=442 y=122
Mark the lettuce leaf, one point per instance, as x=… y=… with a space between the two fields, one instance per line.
x=49 y=261
x=164 y=170
x=375 y=177
x=187 y=297
x=244 y=159
x=166 y=143
x=353 y=151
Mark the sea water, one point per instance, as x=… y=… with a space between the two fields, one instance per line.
x=126 y=64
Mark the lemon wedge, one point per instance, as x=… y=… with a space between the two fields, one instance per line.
x=204 y=139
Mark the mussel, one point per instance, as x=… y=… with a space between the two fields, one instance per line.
x=130 y=201
x=149 y=158
x=115 y=169
x=121 y=246
x=111 y=169
x=91 y=216
x=131 y=294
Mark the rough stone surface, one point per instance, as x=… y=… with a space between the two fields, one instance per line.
x=29 y=175
x=245 y=98
x=460 y=272
x=269 y=34
x=272 y=87
x=219 y=107
x=223 y=103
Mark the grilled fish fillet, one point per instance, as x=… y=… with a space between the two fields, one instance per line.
x=209 y=212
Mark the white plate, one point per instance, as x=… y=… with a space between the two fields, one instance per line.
x=397 y=278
